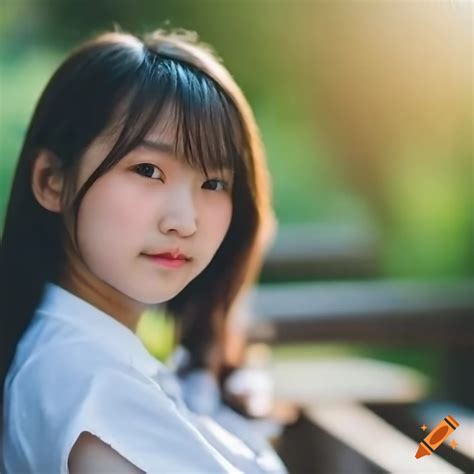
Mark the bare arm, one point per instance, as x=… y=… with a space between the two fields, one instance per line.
x=91 y=455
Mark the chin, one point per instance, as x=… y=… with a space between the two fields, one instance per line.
x=152 y=298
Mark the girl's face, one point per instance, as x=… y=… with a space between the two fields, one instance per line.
x=150 y=202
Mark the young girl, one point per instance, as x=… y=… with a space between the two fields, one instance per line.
x=141 y=181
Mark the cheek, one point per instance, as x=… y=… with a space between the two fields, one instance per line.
x=111 y=223
x=217 y=220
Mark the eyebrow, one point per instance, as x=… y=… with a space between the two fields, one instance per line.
x=165 y=148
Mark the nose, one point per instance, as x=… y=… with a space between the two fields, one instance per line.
x=179 y=214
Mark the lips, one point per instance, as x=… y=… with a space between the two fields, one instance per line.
x=170 y=256
x=173 y=255
x=167 y=260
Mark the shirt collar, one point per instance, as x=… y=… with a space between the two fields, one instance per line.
x=116 y=338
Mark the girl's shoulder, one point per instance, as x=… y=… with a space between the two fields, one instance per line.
x=60 y=362
x=59 y=391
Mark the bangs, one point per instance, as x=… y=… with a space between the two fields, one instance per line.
x=208 y=132
x=180 y=102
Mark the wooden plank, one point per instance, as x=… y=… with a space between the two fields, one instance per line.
x=380 y=311
x=309 y=381
x=374 y=438
x=409 y=417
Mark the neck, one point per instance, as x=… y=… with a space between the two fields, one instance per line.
x=101 y=295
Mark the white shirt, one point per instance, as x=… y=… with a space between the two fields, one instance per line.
x=201 y=393
x=78 y=369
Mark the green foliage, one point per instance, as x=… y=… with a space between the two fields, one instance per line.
x=157 y=333
x=22 y=79
x=431 y=207
x=306 y=185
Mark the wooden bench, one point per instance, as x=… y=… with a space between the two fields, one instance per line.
x=347 y=433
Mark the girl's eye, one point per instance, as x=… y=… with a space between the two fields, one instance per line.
x=148 y=170
x=151 y=171
x=215 y=183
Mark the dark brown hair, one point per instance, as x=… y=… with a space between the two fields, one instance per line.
x=117 y=79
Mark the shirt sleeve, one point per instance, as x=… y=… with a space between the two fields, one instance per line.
x=130 y=413
x=121 y=406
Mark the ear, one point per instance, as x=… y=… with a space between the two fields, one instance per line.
x=47 y=180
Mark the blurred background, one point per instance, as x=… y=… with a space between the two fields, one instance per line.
x=363 y=315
